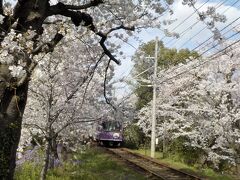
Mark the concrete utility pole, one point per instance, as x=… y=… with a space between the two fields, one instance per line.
x=153 y=135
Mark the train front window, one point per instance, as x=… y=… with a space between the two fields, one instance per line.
x=111 y=126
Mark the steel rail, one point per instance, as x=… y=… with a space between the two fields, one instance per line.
x=161 y=164
x=160 y=175
x=137 y=165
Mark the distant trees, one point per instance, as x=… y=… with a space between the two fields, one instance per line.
x=167 y=57
x=134 y=137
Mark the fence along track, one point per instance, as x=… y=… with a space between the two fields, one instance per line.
x=156 y=169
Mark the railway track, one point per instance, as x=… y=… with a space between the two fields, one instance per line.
x=150 y=165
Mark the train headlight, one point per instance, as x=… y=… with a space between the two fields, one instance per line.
x=116 y=135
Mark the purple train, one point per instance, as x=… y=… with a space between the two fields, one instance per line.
x=110 y=133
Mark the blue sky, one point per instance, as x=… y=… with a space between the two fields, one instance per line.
x=229 y=2
x=231 y=12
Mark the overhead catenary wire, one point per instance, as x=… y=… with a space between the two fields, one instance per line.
x=210 y=36
x=190 y=27
x=196 y=11
x=185 y=19
x=213 y=56
x=204 y=28
x=204 y=52
x=216 y=44
x=177 y=67
x=184 y=32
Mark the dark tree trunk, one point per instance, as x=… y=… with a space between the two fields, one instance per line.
x=54 y=155
x=13 y=96
x=46 y=161
x=12 y=104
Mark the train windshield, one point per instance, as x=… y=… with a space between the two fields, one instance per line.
x=111 y=126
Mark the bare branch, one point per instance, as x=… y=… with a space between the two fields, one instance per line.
x=35 y=126
x=48 y=47
x=37 y=94
x=1 y=7
x=92 y=3
x=121 y=27
x=76 y=122
x=91 y=74
x=105 y=82
x=104 y=38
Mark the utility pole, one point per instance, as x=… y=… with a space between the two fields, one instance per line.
x=153 y=135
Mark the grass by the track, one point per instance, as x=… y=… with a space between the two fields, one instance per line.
x=173 y=162
x=94 y=164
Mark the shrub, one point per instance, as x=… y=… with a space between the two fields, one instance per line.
x=28 y=171
x=133 y=137
x=187 y=154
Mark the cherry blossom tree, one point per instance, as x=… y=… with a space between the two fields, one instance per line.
x=63 y=97
x=199 y=101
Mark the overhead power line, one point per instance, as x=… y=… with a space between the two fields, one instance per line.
x=210 y=36
x=186 y=19
x=178 y=67
x=201 y=30
x=213 y=56
x=218 y=44
x=184 y=32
